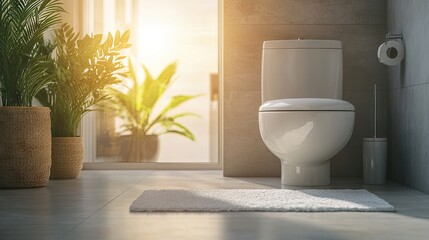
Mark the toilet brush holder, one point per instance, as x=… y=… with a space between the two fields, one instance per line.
x=374 y=160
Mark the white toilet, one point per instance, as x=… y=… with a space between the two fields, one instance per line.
x=302 y=119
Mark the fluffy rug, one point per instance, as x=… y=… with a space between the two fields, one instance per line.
x=259 y=200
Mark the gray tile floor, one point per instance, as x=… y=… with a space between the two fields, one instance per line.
x=95 y=206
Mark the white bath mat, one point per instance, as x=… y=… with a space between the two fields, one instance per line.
x=257 y=200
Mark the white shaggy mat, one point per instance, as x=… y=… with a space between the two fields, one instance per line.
x=259 y=200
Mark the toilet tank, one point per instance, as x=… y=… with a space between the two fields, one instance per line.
x=302 y=69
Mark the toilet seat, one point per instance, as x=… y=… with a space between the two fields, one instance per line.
x=306 y=104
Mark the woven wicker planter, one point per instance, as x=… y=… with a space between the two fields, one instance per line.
x=67 y=157
x=25 y=147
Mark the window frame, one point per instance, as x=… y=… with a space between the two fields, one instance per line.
x=79 y=17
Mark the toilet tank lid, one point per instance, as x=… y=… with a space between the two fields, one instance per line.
x=306 y=104
x=303 y=44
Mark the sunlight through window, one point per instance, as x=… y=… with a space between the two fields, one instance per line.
x=184 y=32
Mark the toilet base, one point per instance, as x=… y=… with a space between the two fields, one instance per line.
x=306 y=175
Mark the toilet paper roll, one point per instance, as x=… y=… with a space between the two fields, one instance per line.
x=390 y=53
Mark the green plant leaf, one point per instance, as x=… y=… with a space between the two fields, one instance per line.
x=177 y=128
x=125 y=37
x=83 y=69
x=136 y=106
x=186 y=114
x=24 y=61
x=177 y=101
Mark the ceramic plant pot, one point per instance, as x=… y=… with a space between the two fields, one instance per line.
x=25 y=147
x=67 y=157
x=143 y=149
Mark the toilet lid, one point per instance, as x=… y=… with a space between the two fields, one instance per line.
x=306 y=104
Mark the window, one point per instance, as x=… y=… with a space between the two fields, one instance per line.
x=162 y=32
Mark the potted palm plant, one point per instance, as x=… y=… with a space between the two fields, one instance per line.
x=25 y=142
x=142 y=125
x=83 y=68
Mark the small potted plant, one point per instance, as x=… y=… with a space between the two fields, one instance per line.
x=25 y=135
x=83 y=68
x=142 y=125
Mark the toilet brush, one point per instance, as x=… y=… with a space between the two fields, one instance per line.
x=374 y=153
x=375 y=110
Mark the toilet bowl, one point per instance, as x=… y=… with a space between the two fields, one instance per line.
x=304 y=133
x=302 y=119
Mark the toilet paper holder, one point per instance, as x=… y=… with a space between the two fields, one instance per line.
x=393 y=36
x=391 y=52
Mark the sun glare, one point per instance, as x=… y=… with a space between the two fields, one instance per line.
x=153 y=44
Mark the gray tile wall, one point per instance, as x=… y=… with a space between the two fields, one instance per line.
x=360 y=24
x=408 y=96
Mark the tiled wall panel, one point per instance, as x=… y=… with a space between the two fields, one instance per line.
x=360 y=24
x=408 y=96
